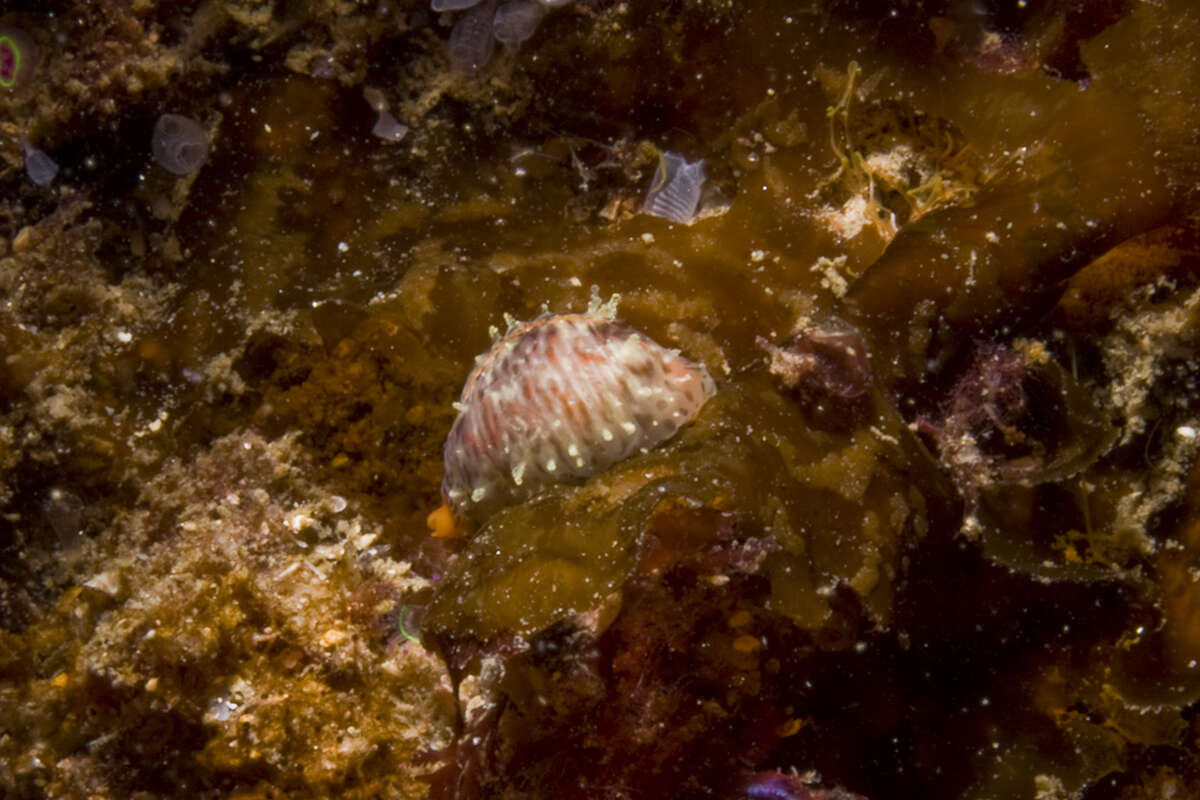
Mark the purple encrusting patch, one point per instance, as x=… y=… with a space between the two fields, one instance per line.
x=561 y=398
x=9 y=58
x=18 y=58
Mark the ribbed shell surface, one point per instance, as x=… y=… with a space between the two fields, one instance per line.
x=562 y=398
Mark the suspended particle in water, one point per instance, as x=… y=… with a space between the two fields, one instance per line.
x=179 y=144
x=18 y=59
x=675 y=191
x=562 y=398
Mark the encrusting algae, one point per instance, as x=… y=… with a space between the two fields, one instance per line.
x=936 y=532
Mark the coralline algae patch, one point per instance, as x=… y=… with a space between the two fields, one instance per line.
x=561 y=398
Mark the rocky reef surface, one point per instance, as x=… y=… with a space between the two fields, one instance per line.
x=935 y=535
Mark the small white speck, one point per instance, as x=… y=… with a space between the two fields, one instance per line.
x=124 y=337
x=518 y=473
x=267 y=127
x=629 y=427
x=343 y=247
x=606 y=435
x=1185 y=432
x=648 y=238
x=478 y=494
x=757 y=255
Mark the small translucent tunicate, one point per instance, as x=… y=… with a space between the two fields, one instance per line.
x=675 y=191
x=63 y=511
x=452 y=5
x=409 y=621
x=18 y=58
x=516 y=21
x=389 y=128
x=323 y=67
x=471 y=40
x=226 y=704
x=179 y=144
x=40 y=168
x=375 y=98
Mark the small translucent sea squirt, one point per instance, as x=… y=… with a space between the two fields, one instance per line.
x=388 y=128
x=452 y=5
x=675 y=190
x=40 y=168
x=516 y=21
x=179 y=144
x=558 y=399
x=18 y=59
x=471 y=38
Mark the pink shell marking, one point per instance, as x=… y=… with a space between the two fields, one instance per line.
x=561 y=398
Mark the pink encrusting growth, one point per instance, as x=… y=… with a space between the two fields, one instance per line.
x=561 y=398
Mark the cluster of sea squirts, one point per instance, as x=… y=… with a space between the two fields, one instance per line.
x=485 y=22
x=178 y=144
